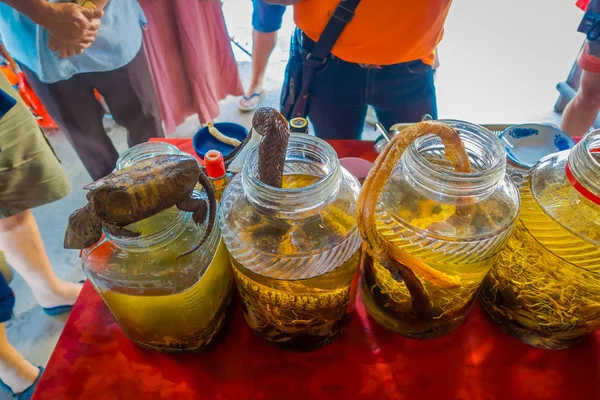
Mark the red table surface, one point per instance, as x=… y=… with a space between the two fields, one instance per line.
x=94 y=360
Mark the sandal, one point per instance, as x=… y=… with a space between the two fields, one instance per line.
x=250 y=103
x=27 y=393
x=59 y=310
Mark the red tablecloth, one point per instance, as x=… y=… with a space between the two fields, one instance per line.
x=94 y=360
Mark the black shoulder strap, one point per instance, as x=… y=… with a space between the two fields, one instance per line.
x=339 y=19
x=342 y=15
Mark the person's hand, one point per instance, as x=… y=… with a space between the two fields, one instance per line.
x=72 y=24
x=69 y=49
x=66 y=50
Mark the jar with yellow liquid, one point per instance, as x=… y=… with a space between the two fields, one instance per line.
x=295 y=249
x=544 y=287
x=162 y=302
x=444 y=229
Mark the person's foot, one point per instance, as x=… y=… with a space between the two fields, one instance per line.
x=61 y=293
x=20 y=377
x=27 y=394
x=251 y=99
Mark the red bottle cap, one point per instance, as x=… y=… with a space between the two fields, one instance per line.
x=215 y=165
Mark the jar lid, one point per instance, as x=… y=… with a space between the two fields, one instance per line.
x=299 y=124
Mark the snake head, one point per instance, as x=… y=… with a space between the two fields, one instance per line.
x=275 y=132
x=267 y=121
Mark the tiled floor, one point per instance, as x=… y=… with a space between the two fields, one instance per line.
x=500 y=62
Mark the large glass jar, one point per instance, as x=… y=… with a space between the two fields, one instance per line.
x=544 y=287
x=160 y=301
x=295 y=249
x=449 y=224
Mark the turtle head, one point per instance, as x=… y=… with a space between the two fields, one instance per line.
x=83 y=229
x=183 y=172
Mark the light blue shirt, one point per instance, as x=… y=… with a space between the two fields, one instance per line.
x=118 y=42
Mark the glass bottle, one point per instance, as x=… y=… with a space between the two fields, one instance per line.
x=544 y=287
x=418 y=213
x=299 y=125
x=295 y=249
x=217 y=172
x=160 y=301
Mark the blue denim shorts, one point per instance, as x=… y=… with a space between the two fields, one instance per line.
x=266 y=18
x=7 y=300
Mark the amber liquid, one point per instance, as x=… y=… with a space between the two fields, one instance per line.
x=298 y=315
x=407 y=302
x=176 y=322
x=541 y=298
x=219 y=184
x=389 y=302
x=301 y=314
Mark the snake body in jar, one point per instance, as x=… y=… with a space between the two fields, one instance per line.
x=293 y=312
x=400 y=290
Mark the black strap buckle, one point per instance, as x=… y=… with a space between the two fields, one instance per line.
x=594 y=32
x=315 y=60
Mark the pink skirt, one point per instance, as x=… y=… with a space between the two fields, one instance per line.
x=190 y=58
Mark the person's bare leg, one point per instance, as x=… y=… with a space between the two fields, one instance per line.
x=15 y=370
x=580 y=113
x=21 y=242
x=262 y=47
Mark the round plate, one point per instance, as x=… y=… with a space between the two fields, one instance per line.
x=203 y=141
x=357 y=166
x=526 y=144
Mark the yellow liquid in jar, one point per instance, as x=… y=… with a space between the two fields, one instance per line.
x=185 y=321
x=300 y=314
x=430 y=310
x=552 y=235
x=536 y=295
x=389 y=302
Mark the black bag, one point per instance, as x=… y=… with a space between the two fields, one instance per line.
x=301 y=67
x=590 y=25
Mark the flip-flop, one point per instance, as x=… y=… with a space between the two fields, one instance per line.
x=253 y=105
x=27 y=393
x=58 y=310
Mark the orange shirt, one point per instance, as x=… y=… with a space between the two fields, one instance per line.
x=382 y=32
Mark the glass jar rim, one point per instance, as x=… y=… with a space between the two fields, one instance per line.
x=451 y=182
x=159 y=237
x=143 y=151
x=583 y=168
x=294 y=201
x=295 y=138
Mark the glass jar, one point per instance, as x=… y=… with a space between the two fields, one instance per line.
x=295 y=249
x=544 y=287
x=418 y=214
x=160 y=301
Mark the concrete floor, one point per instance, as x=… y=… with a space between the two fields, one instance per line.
x=499 y=64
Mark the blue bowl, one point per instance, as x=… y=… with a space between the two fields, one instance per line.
x=526 y=144
x=203 y=141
